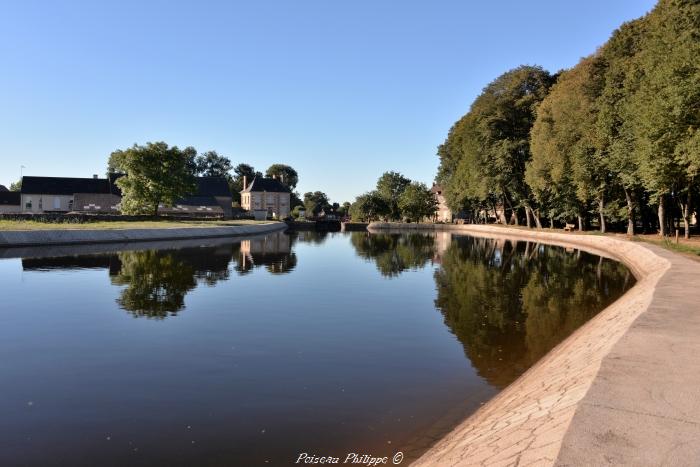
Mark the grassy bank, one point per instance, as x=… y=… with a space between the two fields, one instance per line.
x=690 y=246
x=112 y=225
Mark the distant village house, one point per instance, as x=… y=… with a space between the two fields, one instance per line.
x=266 y=197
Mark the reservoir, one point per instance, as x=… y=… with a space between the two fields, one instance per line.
x=247 y=352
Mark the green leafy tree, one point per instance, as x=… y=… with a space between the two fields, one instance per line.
x=211 y=164
x=417 y=202
x=344 y=209
x=369 y=207
x=615 y=120
x=16 y=186
x=155 y=174
x=566 y=167
x=285 y=174
x=390 y=186
x=315 y=202
x=667 y=104
x=484 y=157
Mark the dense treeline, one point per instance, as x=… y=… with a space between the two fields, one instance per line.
x=613 y=140
x=395 y=198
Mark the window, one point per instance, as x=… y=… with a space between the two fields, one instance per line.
x=70 y=204
x=57 y=202
x=28 y=204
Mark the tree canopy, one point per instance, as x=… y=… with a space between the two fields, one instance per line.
x=211 y=164
x=285 y=174
x=155 y=174
x=604 y=141
x=315 y=202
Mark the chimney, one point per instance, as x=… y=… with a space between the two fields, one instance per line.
x=245 y=182
x=94 y=176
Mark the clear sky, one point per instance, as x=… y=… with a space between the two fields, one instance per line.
x=340 y=90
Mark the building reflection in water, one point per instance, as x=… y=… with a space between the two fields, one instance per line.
x=154 y=283
x=274 y=252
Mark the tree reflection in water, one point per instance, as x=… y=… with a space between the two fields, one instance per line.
x=510 y=303
x=155 y=282
x=394 y=253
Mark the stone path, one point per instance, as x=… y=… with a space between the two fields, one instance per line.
x=623 y=389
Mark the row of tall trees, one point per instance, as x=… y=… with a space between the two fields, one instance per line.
x=611 y=140
x=157 y=173
x=395 y=198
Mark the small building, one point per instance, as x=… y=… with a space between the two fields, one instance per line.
x=443 y=213
x=3 y=188
x=66 y=194
x=10 y=202
x=213 y=198
x=266 y=197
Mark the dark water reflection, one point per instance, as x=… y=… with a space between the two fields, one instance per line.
x=251 y=352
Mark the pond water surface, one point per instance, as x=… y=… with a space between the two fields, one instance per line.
x=224 y=353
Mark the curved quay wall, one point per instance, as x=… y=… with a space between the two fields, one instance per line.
x=623 y=389
x=23 y=238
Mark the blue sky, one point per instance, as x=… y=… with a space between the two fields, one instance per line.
x=342 y=91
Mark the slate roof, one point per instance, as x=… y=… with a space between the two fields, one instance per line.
x=266 y=184
x=69 y=186
x=10 y=198
x=3 y=188
x=212 y=186
x=197 y=201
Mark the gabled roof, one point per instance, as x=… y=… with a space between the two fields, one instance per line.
x=266 y=184
x=3 y=188
x=69 y=186
x=10 y=198
x=212 y=186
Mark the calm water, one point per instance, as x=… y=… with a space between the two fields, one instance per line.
x=251 y=352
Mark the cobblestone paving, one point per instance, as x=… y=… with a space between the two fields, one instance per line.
x=526 y=423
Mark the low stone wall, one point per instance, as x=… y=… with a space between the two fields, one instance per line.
x=353 y=227
x=21 y=238
x=623 y=389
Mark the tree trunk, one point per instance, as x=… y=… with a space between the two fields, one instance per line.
x=601 y=211
x=630 y=213
x=686 y=215
x=580 y=223
x=551 y=223
x=662 y=215
x=528 y=218
x=502 y=215
x=536 y=215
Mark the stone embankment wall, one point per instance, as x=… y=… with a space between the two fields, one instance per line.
x=18 y=238
x=623 y=389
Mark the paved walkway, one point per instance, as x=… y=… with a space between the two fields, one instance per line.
x=643 y=407
x=623 y=389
